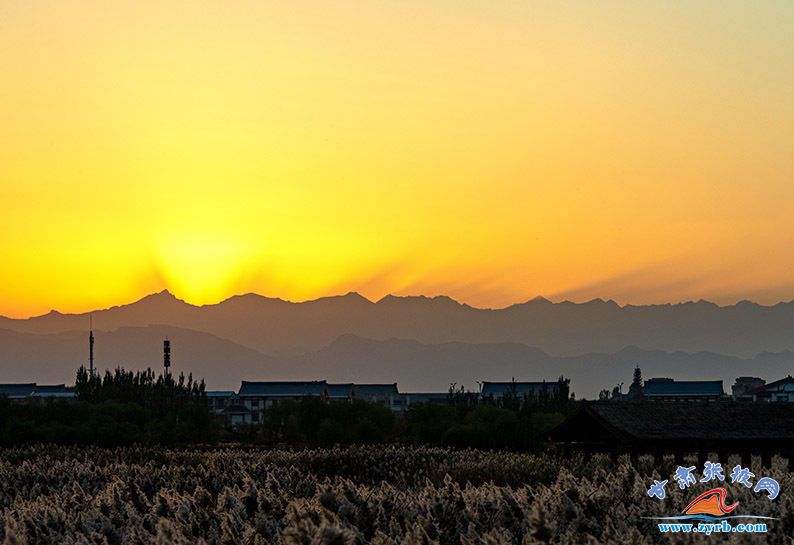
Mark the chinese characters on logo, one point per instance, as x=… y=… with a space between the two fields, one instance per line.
x=741 y=475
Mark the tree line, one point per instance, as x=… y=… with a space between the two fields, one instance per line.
x=117 y=409
x=124 y=407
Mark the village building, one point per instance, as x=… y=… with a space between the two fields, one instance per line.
x=53 y=391
x=708 y=430
x=218 y=400
x=248 y=404
x=18 y=392
x=667 y=389
x=31 y=390
x=382 y=394
x=257 y=396
x=341 y=392
x=775 y=392
x=236 y=414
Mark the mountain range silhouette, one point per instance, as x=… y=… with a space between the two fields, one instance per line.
x=421 y=342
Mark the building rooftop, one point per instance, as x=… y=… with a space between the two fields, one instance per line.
x=787 y=380
x=682 y=388
x=50 y=388
x=627 y=421
x=16 y=391
x=219 y=393
x=340 y=391
x=364 y=390
x=283 y=389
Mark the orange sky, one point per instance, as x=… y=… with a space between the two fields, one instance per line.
x=489 y=150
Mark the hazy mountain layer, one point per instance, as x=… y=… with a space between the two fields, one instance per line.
x=273 y=326
x=53 y=358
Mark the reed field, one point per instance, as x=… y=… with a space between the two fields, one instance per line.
x=380 y=495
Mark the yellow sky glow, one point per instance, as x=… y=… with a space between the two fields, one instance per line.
x=490 y=150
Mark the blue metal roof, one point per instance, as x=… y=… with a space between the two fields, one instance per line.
x=283 y=389
x=50 y=388
x=501 y=388
x=17 y=390
x=683 y=388
x=219 y=393
x=367 y=390
x=338 y=391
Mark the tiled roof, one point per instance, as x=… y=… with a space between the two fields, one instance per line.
x=283 y=389
x=772 y=385
x=339 y=391
x=17 y=390
x=219 y=393
x=715 y=420
x=683 y=388
x=366 y=390
x=50 y=388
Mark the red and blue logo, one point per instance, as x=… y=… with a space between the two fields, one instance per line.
x=710 y=509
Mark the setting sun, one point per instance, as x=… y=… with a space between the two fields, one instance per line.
x=635 y=152
x=201 y=266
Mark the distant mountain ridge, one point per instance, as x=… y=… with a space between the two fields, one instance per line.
x=419 y=366
x=278 y=327
x=415 y=366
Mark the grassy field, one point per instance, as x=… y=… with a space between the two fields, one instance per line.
x=381 y=495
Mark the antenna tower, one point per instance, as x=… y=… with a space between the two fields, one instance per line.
x=90 y=346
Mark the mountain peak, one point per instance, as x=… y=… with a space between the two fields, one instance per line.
x=706 y=304
x=438 y=299
x=250 y=295
x=163 y=296
x=600 y=302
x=351 y=297
x=354 y=295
